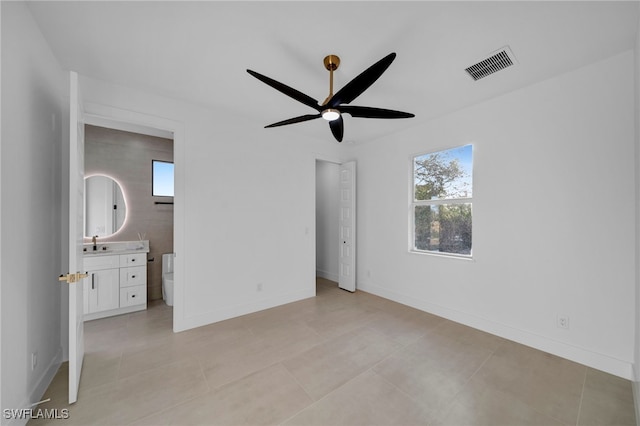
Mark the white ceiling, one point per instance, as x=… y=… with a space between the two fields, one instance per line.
x=199 y=51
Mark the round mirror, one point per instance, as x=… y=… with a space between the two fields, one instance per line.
x=105 y=210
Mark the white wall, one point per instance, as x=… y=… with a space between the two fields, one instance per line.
x=244 y=212
x=327 y=209
x=553 y=217
x=30 y=176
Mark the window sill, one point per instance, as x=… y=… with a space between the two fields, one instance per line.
x=445 y=255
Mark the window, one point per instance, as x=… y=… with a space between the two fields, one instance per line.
x=441 y=202
x=162 y=178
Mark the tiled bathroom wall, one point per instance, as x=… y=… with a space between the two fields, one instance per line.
x=127 y=157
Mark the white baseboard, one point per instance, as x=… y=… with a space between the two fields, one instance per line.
x=635 y=386
x=580 y=355
x=39 y=389
x=47 y=377
x=327 y=275
x=636 y=399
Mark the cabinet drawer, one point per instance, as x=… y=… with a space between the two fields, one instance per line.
x=97 y=263
x=136 y=275
x=130 y=296
x=136 y=259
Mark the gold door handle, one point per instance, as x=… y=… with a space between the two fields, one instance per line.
x=72 y=278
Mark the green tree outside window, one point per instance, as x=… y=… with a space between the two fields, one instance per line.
x=442 y=201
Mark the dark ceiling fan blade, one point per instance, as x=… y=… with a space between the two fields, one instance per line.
x=369 y=112
x=337 y=128
x=355 y=87
x=295 y=120
x=289 y=91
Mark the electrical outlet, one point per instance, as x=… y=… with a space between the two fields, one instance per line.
x=563 y=321
x=259 y=287
x=34 y=360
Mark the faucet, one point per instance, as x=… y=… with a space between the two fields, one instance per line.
x=94 y=239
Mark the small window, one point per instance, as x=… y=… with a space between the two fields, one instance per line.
x=441 y=203
x=162 y=178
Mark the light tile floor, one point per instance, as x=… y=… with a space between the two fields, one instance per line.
x=336 y=359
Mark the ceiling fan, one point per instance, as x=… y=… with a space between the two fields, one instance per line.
x=337 y=104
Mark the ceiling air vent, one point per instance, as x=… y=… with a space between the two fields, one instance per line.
x=498 y=60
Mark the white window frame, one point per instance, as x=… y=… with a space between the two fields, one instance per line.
x=153 y=178
x=413 y=203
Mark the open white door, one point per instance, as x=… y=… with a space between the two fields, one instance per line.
x=76 y=233
x=347 y=262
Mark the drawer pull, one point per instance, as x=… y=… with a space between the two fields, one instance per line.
x=133 y=260
x=133 y=276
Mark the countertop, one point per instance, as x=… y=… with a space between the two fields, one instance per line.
x=115 y=248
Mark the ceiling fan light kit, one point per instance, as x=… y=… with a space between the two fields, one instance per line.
x=330 y=114
x=337 y=104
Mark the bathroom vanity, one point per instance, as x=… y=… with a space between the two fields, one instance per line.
x=117 y=278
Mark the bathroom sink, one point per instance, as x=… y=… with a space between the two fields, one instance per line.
x=116 y=247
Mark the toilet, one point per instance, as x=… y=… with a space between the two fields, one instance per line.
x=167 y=278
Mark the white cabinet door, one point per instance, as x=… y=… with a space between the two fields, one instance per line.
x=86 y=291
x=104 y=290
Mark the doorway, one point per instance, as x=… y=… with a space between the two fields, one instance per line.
x=126 y=157
x=336 y=223
x=327 y=220
x=108 y=117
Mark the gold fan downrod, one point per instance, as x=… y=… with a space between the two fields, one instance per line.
x=331 y=63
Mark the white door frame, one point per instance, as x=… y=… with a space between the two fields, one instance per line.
x=121 y=119
x=321 y=158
